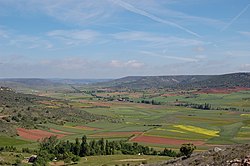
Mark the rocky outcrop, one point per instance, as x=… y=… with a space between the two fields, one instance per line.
x=235 y=155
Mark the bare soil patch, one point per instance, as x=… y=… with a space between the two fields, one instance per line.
x=36 y=134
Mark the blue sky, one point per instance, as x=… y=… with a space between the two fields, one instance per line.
x=116 y=38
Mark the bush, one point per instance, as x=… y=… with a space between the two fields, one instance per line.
x=75 y=158
x=18 y=162
x=187 y=149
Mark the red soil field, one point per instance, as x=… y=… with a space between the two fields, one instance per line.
x=221 y=90
x=161 y=140
x=35 y=134
x=118 y=133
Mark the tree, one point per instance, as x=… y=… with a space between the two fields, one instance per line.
x=42 y=158
x=168 y=152
x=49 y=144
x=77 y=147
x=102 y=146
x=84 y=150
x=187 y=149
x=107 y=148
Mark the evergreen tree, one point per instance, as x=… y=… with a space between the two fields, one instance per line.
x=77 y=147
x=102 y=146
x=84 y=147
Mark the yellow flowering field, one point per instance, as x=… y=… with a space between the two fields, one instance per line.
x=177 y=131
x=198 y=130
x=245 y=115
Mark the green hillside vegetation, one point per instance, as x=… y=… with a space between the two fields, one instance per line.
x=181 y=82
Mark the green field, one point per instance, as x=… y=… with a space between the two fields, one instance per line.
x=161 y=120
x=167 y=121
x=120 y=160
x=8 y=141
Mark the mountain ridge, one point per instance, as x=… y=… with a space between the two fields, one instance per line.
x=181 y=81
x=141 y=82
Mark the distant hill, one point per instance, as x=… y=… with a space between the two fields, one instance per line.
x=226 y=80
x=139 y=82
x=38 y=83
x=21 y=83
x=79 y=81
x=181 y=81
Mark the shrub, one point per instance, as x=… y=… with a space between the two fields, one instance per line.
x=187 y=149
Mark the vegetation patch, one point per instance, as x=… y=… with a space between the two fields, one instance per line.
x=116 y=134
x=59 y=131
x=161 y=140
x=10 y=141
x=84 y=128
x=245 y=115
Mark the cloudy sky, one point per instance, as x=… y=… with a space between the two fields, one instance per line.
x=116 y=38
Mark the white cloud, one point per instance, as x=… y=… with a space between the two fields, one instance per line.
x=235 y=18
x=3 y=34
x=245 y=33
x=170 y=57
x=162 y=8
x=245 y=67
x=28 y=41
x=199 y=49
x=156 y=40
x=127 y=64
x=79 y=12
x=74 y=37
x=50 y=40
x=144 y=13
x=9 y=37
x=236 y=53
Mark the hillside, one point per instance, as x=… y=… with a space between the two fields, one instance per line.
x=227 y=80
x=20 y=84
x=78 y=81
x=231 y=155
x=26 y=83
x=30 y=111
x=181 y=81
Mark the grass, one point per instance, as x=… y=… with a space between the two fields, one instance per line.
x=10 y=141
x=11 y=157
x=120 y=159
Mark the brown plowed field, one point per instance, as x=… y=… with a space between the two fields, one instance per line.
x=35 y=134
x=161 y=140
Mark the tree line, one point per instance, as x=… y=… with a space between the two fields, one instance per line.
x=51 y=148
x=205 y=106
